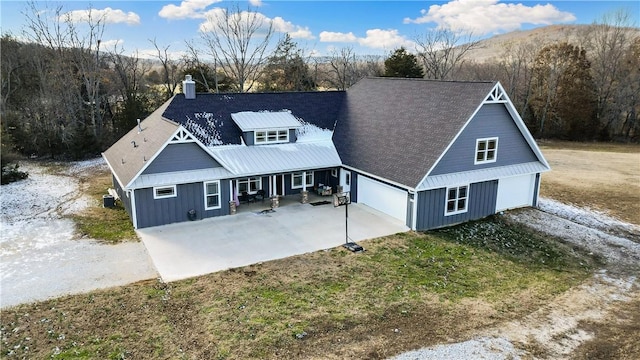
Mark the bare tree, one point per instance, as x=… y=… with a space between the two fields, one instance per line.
x=238 y=40
x=343 y=70
x=171 y=69
x=127 y=79
x=442 y=52
x=607 y=41
x=74 y=53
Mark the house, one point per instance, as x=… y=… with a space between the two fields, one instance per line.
x=428 y=153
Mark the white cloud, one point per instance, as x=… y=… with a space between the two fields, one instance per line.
x=107 y=45
x=107 y=15
x=256 y=3
x=279 y=24
x=375 y=39
x=385 y=39
x=482 y=17
x=188 y=9
x=295 y=31
x=329 y=36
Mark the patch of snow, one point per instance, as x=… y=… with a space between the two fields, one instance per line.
x=486 y=348
x=40 y=257
x=617 y=250
x=584 y=216
x=309 y=133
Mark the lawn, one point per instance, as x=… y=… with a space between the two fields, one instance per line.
x=600 y=176
x=406 y=291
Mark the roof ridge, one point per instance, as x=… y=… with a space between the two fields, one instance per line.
x=432 y=80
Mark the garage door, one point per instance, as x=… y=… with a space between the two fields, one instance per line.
x=515 y=192
x=382 y=197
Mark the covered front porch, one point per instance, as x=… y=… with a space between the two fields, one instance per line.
x=258 y=193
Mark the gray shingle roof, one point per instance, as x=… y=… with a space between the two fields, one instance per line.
x=125 y=160
x=398 y=128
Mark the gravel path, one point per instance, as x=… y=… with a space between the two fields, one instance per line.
x=40 y=257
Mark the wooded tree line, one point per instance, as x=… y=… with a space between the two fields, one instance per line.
x=65 y=95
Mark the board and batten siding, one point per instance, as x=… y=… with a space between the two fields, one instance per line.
x=431 y=205
x=181 y=157
x=492 y=120
x=126 y=201
x=154 y=212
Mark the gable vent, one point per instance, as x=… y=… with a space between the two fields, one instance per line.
x=497 y=95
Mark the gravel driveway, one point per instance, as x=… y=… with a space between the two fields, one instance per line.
x=41 y=258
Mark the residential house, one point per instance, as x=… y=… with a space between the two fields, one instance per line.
x=428 y=153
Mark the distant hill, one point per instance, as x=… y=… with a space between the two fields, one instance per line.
x=494 y=47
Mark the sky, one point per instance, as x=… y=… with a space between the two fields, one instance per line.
x=373 y=27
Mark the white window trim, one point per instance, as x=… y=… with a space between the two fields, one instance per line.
x=466 y=203
x=495 y=153
x=301 y=185
x=249 y=180
x=266 y=136
x=173 y=194
x=334 y=172
x=219 y=194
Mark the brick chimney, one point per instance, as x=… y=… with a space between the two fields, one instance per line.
x=189 y=87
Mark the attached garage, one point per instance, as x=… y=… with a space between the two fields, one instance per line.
x=515 y=192
x=382 y=197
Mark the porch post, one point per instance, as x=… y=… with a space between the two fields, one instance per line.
x=304 y=194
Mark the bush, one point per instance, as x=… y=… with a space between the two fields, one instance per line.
x=10 y=173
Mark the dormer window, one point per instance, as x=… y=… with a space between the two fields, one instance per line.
x=271 y=136
x=267 y=127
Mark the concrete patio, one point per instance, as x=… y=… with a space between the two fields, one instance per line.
x=185 y=250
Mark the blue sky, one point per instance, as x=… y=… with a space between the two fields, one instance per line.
x=320 y=27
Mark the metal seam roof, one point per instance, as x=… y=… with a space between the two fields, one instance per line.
x=257 y=120
x=474 y=176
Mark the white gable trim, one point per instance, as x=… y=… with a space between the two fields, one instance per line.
x=113 y=172
x=180 y=136
x=496 y=95
x=377 y=177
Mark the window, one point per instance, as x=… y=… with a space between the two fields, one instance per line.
x=250 y=185
x=457 y=200
x=296 y=180
x=164 y=192
x=271 y=136
x=212 y=195
x=486 y=150
x=334 y=172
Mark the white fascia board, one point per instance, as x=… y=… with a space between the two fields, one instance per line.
x=164 y=146
x=523 y=129
x=379 y=178
x=113 y=172
x=514 y=116
x=455 y=138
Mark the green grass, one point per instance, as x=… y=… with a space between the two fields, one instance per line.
x=419 y=282
x=110 y=225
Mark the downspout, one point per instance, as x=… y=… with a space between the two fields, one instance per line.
x=414 y=209
x=134 y=210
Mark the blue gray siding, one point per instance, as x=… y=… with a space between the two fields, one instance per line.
x=126 y=201
x=154 y=212
x=431 y=205
x=492 y=120
x=248 y=137
x=181 y=157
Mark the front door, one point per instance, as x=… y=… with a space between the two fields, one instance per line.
x=345 y=180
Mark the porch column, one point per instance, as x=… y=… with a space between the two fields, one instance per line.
x=304 y=194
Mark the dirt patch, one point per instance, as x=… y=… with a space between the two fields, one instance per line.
x=606 y=181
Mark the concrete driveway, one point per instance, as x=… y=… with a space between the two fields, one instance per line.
x=189 y=249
